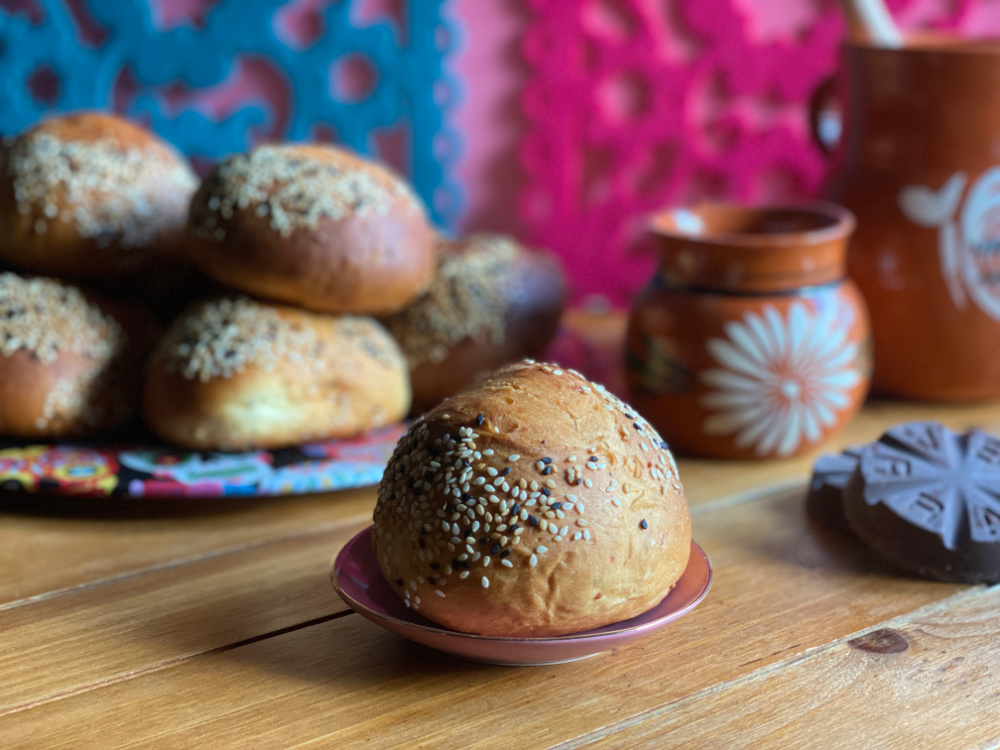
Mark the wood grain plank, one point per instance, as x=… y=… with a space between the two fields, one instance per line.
x=927 y=679
x=47 y=547
x=52 y=546
x=141 y=623
x=782 y=587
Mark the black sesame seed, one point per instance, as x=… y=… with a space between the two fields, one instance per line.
x=484 y=540
x=636 y=425
x=546 y=460
x=663 y=444
x=505 y=472
x=532 y=520
x=593 y=458
x=421 y=543
x=516 y=509
x=556 y=506
x=546 y=491
x=512 y=528
x=547 y=470
x=505 y=553
x=399 y=581
x=468 y=499
x=465 y=463
x=432 y=581
x=479 y=420
x=435 y=566
x=644 y=524
x=495 y=548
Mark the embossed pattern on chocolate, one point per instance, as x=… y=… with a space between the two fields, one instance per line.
x=928 y=499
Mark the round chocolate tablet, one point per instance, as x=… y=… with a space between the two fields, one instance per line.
x=928 y=500
x=831 y=472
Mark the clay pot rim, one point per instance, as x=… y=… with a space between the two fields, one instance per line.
x=842 y=225
x=923 y=43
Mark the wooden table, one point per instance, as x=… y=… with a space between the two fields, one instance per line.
x=213 y=626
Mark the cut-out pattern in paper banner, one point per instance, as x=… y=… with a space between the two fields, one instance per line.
x=214 y=76
x=632 y=105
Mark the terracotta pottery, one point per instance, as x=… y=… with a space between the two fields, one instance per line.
x=919 y=165
x=749 y=342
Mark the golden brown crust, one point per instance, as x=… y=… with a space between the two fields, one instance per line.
x=67 y=368
x=87 y=195
x=492 y=301
x=535 y=504
x=233 y=373
x=315 y=227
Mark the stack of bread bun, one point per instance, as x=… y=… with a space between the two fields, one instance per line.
x=267 y=276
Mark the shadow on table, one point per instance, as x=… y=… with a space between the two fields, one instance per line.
x=125 y=508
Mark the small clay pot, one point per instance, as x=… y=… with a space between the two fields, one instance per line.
x=749 y=342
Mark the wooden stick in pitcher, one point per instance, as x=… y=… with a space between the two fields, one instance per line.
x=870 y=22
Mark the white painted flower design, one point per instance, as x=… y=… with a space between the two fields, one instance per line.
x=780 y=381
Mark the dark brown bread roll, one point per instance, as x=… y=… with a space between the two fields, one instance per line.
x=492 y=301
x=534 y=504
x=67 y=367
x=89 y=195
x=233 y=373
x=315 y=227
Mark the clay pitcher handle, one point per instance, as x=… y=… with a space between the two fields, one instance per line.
x=825 y=116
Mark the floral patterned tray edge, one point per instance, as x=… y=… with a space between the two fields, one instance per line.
x=156 y=471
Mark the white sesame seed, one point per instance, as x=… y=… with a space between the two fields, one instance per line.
x=541 y=550
x=486 y=582
x=464 y=574
x=533 y=560
x=439 y=592
x=513 y=457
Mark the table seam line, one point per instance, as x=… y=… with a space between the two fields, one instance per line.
x=180 y=562
x=168 y=664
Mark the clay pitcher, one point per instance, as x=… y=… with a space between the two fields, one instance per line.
x=918 y=163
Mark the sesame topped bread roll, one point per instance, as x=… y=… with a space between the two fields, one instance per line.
x=534 y=504
x=90 y=195
x=492 y=301
x=313 y=226
x=67 y=368
x=233 y=373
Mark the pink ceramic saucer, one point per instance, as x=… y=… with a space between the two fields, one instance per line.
x=358 y=580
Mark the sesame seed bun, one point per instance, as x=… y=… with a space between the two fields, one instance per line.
x=534 y=504
x=313 y=226
x=67 y=367
x=89 y=195
x=232 y=373
x=492 y=301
